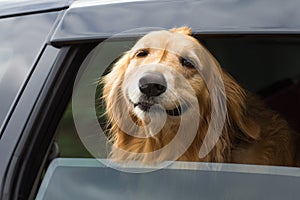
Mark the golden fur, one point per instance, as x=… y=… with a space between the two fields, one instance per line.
x=251 y=134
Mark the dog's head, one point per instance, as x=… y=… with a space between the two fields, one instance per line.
x=162 y=75
x=160 y=71
x=160 y=65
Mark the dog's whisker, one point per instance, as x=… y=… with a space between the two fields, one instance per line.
x=135 y=94
x=179 y=99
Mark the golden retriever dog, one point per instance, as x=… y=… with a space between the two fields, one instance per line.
x=163 y=98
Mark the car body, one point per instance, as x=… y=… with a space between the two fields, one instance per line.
x=55 y=36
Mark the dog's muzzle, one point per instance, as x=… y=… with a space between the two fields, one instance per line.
x=151 y=85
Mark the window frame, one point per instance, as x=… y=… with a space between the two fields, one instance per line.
x=30 y=156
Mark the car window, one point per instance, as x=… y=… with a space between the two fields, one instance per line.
x=272 y=83
x=90 y=179
x=82 y=131
x=95 y=66
x=21 y=38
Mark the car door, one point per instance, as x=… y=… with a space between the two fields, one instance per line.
x=25 y=31
x=88 y=39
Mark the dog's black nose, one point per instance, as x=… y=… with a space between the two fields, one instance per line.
x=152 y=84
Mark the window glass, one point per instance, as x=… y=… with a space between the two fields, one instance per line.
x=22 y=38
x=88 y=179
x=68 y=140
x=69 y=137
x=273 y=84
x=82 y=133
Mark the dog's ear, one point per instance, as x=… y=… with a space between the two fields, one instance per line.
x=113 y=80
x=236 y=98
x=238 y=110
x=250 y=128
x=183 y=30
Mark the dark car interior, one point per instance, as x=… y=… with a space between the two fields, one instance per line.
x=263 y=64
x=267 y=65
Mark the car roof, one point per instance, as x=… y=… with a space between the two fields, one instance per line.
x=18 y=7
x=100 y=19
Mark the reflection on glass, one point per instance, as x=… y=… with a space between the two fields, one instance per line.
x=21 y=39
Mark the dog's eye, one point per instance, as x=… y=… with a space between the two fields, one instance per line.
x=186 y=63
x=142 y=53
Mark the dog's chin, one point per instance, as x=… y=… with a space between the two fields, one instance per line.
x=147 y=107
